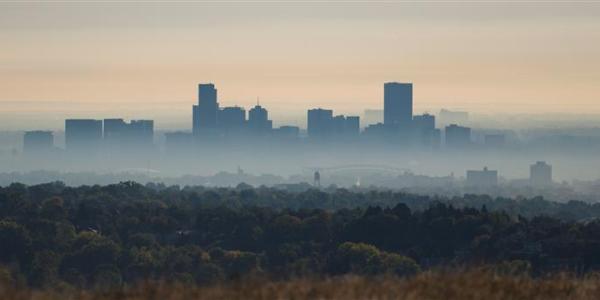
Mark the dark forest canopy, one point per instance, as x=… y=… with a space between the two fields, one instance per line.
x=110 y=235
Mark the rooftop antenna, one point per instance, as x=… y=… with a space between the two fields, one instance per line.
x=257 y=101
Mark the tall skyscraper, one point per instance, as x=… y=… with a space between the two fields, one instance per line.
x=232 y=118
x=320 y=123
x=398 y=105
x=258 y=120
x=83 y=134
x=205 y=113
x=540 y=174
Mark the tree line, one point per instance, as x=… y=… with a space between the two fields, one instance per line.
x=118 y=234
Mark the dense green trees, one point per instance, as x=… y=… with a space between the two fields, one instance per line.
x=96 y=236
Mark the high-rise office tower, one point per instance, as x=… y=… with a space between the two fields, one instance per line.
x=398 y=105
x=540 y=174
x=142 y=132
x=83 y=134
x=258 y=120
x=320 y=123
x=232 y=118
x=205 y=113
x=346 y=126
x=137 y=133
x=115 y=131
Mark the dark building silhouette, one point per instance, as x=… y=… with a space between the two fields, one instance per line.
x=425 y=132
x=482 y=178
x=320 y=123
x=424 y=123
x=83 y=134
x=457 y=136
x=286 y=133
x=37 y=142
x=398 y=105
x=540 y=174
x=258 y=120
x=205 y=117
x=375 y=131
x=352 y=125
x=343 y=126
x=137 y=133
x=232 y=119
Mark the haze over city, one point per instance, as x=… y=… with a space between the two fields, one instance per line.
x=64 y=59
x=290 y=149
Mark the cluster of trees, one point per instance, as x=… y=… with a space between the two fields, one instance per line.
x=111 y=235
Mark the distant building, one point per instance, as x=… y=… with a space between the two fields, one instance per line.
x=319 y=123
x=375 y=131
x=346 y=126
x=457 y=136
x=258 y=120
x=232 y=118
x=482 y=178
x=83 y=134
x=352 y=125
x=398 y=105
x=540 y=174
x=425 y=122
x=137 y=133
x=494 y=141
x=286 y=133
x=35 y=142
x=205 y=113
x=424 y=130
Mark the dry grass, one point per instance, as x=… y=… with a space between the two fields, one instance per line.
x=429 y=285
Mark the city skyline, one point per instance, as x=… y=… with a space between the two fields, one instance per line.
x=464 y=56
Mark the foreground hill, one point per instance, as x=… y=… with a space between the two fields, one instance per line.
x=464 y=285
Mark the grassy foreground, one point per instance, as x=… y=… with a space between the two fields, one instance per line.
x=428 y=285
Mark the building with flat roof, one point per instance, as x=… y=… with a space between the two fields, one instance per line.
x=457 y=136
x=482 y=178
x=205 y=113
x=398 y=105
x=319 y=123
x=83 y=134
x=540 y=174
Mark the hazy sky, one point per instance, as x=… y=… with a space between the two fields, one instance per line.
x=143 y=59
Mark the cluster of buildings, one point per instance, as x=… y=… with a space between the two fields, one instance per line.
x=213 y=124
x=540 y=175
x=88 y=136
